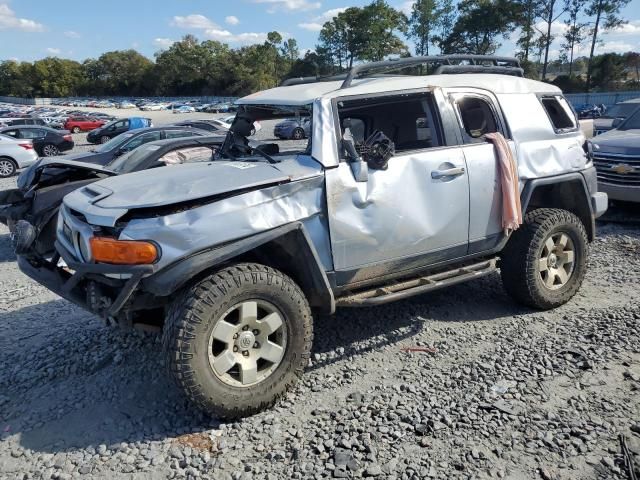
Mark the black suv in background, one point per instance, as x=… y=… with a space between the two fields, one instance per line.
x=116 y=127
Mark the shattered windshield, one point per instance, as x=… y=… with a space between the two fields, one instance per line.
x=270 y=143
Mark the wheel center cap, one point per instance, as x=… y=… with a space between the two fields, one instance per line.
x=553 y=260
x=246 y=340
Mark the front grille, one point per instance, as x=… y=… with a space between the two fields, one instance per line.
x=618 y=169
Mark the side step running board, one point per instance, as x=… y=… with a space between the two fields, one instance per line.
x=416 y=286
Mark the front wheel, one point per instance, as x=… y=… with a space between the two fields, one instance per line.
x=105 y=138
x=239 y=339
x=545 y=261
x=298 y=134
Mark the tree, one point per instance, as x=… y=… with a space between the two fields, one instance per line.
x=575 y=33
x=422 y=24
x=549 y=16
x=479 y=26
x=446 y=19
x=607 y=10
x=608 y=71
x=528 y=12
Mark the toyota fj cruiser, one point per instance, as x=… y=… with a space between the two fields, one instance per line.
x=396 y=193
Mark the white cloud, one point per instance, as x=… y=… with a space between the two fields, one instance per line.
x=53 y=51
x=232 y=20
x=407 y=7
x=8 y=20
x=71 y=34
x=289 y=5
x=214 y=32
x=557 y=28
x=312 y=27
x=315 y=25
x=631 y=28
x=194 y=20
x=163 y=42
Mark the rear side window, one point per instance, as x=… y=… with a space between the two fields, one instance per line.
x=478 y=118
x=559 y=112
x=179 y=133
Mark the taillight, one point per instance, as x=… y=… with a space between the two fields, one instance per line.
x=68 y=138
x=26 y=146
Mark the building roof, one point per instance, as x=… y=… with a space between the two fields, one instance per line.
x=305 y=94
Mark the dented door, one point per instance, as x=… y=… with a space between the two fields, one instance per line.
x=418 y=206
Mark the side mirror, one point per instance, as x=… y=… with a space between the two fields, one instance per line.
x=359 y=167
x=616 y=122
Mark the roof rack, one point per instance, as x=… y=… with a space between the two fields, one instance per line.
x=448 y=64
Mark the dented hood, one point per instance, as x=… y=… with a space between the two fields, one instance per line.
x=182 y=183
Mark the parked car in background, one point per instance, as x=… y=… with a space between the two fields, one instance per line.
x=34 y=204
x=615 y=115
x=47 y=141
x=616 y=156
x=82 y=124
x=116 y=127
x=293 y=128
x=221 y=108
x=152 y=107
x=184 y=109
x=210 y=125
x=15 y=154
x=125 y=104
x=125 y=142
x=23 y=121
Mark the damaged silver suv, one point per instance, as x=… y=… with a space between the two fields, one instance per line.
x=397 y=192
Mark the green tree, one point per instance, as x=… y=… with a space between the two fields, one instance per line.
x=527 y=14
x=576 y=30
x=479 y=26
x=549 y=15
x=423 y=23
x=606 y=11
x=608 y=71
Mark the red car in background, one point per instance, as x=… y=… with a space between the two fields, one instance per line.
x=82 y=124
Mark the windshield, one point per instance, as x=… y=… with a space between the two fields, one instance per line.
x=115 y=142
x=631 y=123
x=621 y=110
x=237 y=143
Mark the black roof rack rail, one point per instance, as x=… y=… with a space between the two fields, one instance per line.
x=488 y=64
x=448 y=64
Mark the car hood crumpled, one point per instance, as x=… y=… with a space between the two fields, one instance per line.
x=183 y=183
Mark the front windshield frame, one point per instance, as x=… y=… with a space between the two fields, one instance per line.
x=114 y=143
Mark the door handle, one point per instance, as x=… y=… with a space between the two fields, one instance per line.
x=450 y=172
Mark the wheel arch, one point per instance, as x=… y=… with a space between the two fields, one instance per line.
x=287 y=248
x=568 y=192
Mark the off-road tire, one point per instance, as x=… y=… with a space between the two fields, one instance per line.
x=520 y=257
x=195 y=312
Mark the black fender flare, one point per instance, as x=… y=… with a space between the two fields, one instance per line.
x=307 y=268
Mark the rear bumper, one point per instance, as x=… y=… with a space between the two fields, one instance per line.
x=622 y=193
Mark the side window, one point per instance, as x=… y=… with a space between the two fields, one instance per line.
x=559 y=112
x=478 y=118
x=408 y=120
x=179 y=133
x=121 y=124
x=140 y=140
x=30 y=133
x=12 y=133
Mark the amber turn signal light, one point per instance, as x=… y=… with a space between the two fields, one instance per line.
x=122 y=252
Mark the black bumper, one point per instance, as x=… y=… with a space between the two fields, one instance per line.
x=72 y=285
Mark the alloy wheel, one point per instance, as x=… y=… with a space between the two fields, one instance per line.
x=247 y=343
x=557 y=260
x=7 y=168
x=50 y=150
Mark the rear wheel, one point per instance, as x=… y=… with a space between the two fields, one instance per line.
x=7 y=167
x=75 y=129
x=545 y=261
x=239 y=339
x=298 y=134
x=50 y=150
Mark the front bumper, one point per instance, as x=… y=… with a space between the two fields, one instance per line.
x=72 y=283
x=623 y=193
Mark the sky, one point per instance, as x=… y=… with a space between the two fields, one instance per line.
x=79 y=29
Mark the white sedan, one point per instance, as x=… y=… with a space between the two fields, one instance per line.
x=15 y=154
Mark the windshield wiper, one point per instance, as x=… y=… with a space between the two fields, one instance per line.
x=269 y=158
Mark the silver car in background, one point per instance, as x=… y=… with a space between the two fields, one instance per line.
x=15 y=154
x=616 y=156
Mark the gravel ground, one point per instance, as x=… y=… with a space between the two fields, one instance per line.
x=461 y=383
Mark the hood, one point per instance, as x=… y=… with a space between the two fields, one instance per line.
x=617 y=141
x=88 y=157
x=183 y=183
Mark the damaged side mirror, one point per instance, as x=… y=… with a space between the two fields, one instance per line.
x=359 y=167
